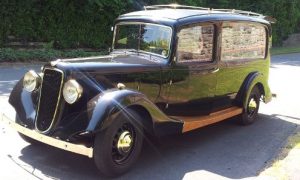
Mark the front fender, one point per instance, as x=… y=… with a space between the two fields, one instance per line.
x=24 y=103
x=103 y=108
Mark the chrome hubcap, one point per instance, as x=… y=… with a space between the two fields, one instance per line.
x=124 y=142
x=252 y=105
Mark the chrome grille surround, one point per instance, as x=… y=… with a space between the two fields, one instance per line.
x=47 y=110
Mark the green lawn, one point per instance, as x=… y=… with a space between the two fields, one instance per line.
x=285 y=50
x=287 y=159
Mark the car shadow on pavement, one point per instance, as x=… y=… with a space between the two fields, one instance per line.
x=224 y=150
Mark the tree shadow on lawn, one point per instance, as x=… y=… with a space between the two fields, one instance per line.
x=224 y=149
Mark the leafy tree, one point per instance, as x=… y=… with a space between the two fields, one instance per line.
x=86 y=23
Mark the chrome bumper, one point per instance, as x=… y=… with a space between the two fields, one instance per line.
x=75 y=148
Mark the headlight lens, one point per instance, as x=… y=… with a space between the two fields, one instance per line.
x=72 y=91
x=31 y=81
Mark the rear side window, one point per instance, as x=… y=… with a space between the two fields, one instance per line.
x=241 y=41
x=195 y=43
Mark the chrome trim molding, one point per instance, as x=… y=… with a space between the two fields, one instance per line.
x=75 y=148
x=58 y=101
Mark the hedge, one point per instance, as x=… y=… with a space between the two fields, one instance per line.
x=86 y=23
x=42 y=55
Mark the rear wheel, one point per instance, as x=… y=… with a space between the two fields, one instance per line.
x=250 y=111
x=119 y=146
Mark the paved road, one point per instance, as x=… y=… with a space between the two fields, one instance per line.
x=224 y=150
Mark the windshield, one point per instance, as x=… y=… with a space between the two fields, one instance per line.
x=150 y=38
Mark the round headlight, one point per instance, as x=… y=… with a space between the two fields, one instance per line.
x=31 y=81
x=72 y=91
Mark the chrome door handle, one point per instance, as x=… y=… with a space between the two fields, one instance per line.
x=214 y=70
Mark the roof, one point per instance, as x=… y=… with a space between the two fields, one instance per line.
x=175 y=12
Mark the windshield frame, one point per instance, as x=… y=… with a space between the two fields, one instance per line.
x=144 y=23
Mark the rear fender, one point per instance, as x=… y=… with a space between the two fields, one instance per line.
x=253 y=79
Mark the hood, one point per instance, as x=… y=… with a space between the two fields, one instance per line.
x=110 y=70
x=109 y=64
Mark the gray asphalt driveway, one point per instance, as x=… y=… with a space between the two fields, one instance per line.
x=223 y=150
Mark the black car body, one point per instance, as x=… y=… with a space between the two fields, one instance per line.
x=166 y=85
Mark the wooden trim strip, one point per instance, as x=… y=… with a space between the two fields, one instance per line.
x=191 y=123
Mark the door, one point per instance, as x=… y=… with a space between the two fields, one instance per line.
x=243 y=51
x=191 y=81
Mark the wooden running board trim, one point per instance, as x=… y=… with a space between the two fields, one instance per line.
x=191 y=123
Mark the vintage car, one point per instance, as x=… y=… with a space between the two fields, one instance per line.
x=171 y=69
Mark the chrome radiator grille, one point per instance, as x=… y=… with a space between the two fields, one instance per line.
x=49 y=99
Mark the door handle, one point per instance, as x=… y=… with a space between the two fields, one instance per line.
x=214 y=70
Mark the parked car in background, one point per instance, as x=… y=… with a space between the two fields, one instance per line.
x=172 y=69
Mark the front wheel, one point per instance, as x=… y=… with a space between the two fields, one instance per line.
x=250 y=111
x=119 y=146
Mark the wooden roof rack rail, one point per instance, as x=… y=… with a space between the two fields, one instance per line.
x=174 y=6
x=210 y=10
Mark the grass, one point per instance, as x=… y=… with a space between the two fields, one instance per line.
x=285 y=50
x=294 y=142
x=42 y=55
x=289 y=157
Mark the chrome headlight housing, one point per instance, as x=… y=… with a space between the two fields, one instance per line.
x=72 y=91
x=31 y=81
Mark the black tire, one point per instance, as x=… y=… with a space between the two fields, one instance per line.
x=250 y=111
x=112 y=160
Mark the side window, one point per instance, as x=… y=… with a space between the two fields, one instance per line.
x=195 y=43
x=241 y=41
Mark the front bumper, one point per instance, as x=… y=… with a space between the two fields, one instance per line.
x=75 y=148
